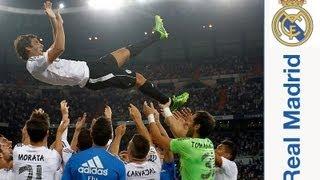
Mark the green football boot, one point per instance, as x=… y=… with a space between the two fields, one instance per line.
x=178 y=101
x=160 y=28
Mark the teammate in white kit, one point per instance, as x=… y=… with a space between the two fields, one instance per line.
x=5 y=159
x=35 y=160
x=226 y=168
x=144 y=161
x=49 y=68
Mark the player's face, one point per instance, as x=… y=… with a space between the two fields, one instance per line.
x=36 y=48
x=190 y=126
x=6 y=147
x=5 y=142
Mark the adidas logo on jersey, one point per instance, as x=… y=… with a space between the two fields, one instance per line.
x=93 y=167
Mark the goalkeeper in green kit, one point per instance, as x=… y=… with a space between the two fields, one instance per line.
x=195 y=149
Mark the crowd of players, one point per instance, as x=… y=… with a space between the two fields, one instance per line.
x=149 y=154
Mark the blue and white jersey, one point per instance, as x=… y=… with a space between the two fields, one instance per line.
x=94 y=164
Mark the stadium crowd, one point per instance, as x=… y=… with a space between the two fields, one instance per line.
x=225 y=99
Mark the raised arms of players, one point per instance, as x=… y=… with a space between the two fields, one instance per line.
x=158 y=138
x=63 y=125
x=58 y=46
x=119 y=132
x=168 y=155
x=136 y=117
x=79 y=125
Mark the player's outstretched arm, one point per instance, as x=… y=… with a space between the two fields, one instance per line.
x=157 y=137
x=52 y=18
x=119 y=132
x=25 y=137
x=79 y=125
x=175 y=122
x=63 y=126
x=162 y=141
x=58 y=46
x=168 y=155
x=136 y=117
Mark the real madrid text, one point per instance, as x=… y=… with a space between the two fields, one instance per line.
x=291 y=116
x=292 y=26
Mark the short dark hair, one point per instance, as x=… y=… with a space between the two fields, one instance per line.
x=140 y=146
x=37 y=126
x=206 y=122
x=21 y=43
x=84 y=139
x=101 y=131
x=231 y=148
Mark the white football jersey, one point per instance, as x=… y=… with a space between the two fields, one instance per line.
x=227 y=171
x=6 y=174
x=60 y=72
x=31 y=162
x=150 y=169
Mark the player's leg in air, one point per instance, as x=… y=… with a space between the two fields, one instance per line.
x=124 y=78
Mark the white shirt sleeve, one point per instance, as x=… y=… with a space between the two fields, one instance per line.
x=38 y=64
x=229 y=167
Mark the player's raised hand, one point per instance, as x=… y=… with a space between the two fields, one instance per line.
x=166 y=104
x=64 y=108
x=58 y=16
x=147 y=110
x=93 y=122
x=134 y=113
x=81 y=121
x=63 y=125
x=120 y=130
x=48 y=9
x=186 y=114
x=38 y=111
x=155 y=112
x=178 y=116
x=107 y=112
x=124 y=156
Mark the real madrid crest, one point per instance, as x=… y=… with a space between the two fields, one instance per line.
x=292 y=25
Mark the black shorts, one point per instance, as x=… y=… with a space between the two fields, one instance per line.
x=109 y=74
